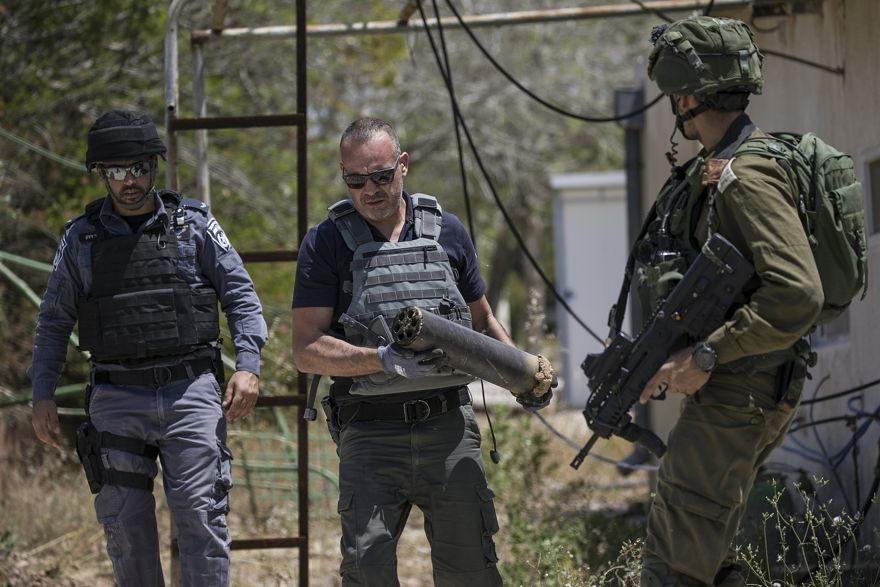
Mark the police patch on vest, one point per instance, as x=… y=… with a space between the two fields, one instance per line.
x=217 y=234
x=727 y=177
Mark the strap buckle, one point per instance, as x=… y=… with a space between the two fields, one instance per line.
x=416 y=410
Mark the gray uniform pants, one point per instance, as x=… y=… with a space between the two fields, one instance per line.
x=386 y=468
x=725 y=431
x=184 y=419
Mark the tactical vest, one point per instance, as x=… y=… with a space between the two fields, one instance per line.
x=139 y=307
x=387 y=277
x=669 y=245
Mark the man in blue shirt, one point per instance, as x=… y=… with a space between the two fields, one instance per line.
x=141 y=271
x=405 y=428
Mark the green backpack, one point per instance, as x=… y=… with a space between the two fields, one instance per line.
x=832 y=209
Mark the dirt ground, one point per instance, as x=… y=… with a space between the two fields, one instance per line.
x=69 y=550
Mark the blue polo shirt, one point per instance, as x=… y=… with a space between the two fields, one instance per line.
x=324 y=265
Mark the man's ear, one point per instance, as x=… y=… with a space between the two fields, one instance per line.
x=404 y=163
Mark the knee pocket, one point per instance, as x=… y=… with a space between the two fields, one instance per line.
x=694 y=503
x=463 y=527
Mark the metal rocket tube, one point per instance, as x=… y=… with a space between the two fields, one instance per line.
x=469 y=351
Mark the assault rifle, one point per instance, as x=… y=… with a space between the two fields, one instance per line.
x=696 y=307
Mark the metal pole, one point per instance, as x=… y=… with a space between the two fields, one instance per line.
x=474 y=21
x=302 y=226
x=171 y=89
x=200 y=110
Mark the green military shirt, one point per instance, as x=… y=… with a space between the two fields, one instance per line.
x=754 y=207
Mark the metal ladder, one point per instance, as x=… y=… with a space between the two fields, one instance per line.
x=201 y=123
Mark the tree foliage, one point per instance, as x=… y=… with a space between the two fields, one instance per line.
x=65 y=61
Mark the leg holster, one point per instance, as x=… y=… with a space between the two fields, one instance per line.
x=88 y=448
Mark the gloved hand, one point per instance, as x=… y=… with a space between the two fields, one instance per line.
x=532 y=403
x=410 y=364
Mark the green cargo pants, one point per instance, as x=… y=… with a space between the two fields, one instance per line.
x=724 y=433
x=386 y=468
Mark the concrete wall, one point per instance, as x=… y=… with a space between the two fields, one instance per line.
x=845 y=110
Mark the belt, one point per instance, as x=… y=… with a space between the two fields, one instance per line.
x=156 y=376
x=417 y=410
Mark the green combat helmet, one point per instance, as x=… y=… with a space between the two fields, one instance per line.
x=705 y=56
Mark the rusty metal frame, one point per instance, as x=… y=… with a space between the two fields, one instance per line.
x=201 y=123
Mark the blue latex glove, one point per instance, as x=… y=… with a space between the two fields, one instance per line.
x=410 y=364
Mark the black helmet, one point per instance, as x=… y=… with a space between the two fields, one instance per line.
x=705 y=55
x=122 y=134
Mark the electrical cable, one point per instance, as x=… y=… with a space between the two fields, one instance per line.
x=575 y=446
x=842 y=393
x=514 y=231
x=649 y=9
x=709 y=8
x=535 y=97
x=455 y=117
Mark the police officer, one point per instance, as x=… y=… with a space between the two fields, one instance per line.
x=744 y=380
x=405 y=427
x=141 y=271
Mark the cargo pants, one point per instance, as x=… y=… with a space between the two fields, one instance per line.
x=436 y=465
x=185 y=420
x=724 y=433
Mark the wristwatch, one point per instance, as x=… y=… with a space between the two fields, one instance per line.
x=705 y=357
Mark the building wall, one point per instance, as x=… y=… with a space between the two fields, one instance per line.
x=845 y=110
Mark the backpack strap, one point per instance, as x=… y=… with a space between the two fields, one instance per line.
x=349 y=223
x=427 y=216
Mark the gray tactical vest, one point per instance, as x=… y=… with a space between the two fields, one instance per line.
x=387 y=277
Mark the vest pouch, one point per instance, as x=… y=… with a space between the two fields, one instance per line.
x=137 y=325
x=206 y=319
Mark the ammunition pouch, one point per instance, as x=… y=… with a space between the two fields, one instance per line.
x=88 y=448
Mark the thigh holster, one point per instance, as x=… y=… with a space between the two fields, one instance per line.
x=89 y=442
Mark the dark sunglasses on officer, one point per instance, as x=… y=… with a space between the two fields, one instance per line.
x=118 y=172
x=381 y=177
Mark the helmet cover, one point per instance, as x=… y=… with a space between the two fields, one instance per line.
x=705 y=55
x=122 y=135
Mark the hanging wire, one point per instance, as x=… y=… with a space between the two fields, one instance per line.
x=455 y=117
x=534 y=96
x=513 y=229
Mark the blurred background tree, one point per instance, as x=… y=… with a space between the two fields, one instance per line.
x=64 y=62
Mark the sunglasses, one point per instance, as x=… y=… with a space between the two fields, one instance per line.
x=137 y=169
x=381 y=177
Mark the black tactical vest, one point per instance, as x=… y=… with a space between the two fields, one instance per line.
x=139 y=307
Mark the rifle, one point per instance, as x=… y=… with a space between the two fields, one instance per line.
x=695 y=307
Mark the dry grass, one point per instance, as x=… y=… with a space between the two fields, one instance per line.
x=49 y=536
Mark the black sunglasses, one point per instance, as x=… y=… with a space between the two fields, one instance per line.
x=382 y=177
x=137 y=169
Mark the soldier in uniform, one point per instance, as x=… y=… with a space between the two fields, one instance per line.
x=743 y=382
x=142 y=271
x=405 y=430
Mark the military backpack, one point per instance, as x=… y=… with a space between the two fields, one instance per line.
x=831 y=207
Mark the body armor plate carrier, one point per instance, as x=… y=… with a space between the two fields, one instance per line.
x=388 y=277
x=139 y=306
